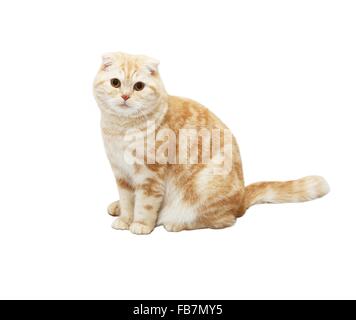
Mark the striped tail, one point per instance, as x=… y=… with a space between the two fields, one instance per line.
x=304 y=189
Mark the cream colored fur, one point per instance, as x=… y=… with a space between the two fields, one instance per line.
x=179 y=196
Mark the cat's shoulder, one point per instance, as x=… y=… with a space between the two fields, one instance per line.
x=187 y=112
x=183 y=112
x=176 y=102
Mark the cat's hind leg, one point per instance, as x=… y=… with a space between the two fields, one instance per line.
x=114 y=208
x=215 y=213
x=213 y=220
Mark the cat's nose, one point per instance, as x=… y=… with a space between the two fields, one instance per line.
x=125 y=97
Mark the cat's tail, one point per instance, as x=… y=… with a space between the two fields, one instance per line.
x=304 y=189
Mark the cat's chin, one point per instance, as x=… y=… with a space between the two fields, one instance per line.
x=125 y=112
x=121 y=110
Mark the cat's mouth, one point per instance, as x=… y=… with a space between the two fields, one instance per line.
x=124 y=105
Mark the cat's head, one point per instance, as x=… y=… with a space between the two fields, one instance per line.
x=128 y=85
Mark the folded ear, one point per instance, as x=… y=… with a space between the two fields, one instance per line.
x=152 y=65
x=107 y=60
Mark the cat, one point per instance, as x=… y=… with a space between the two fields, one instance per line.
x=180 y=195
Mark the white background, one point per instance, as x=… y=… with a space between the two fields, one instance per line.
x=281 y=74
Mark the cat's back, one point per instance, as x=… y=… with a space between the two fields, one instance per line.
x=187 y=113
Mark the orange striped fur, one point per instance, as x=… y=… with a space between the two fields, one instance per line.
x=178 y=196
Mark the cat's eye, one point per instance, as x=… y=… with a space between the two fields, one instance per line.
x=115 y=83
x=139 y=86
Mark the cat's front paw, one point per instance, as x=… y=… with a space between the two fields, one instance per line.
x=121 y=224
x=140 y=228
x=114 y=209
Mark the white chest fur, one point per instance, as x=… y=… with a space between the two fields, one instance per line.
x=116 y=146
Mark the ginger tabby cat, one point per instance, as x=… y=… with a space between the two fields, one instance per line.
x=183 y=170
